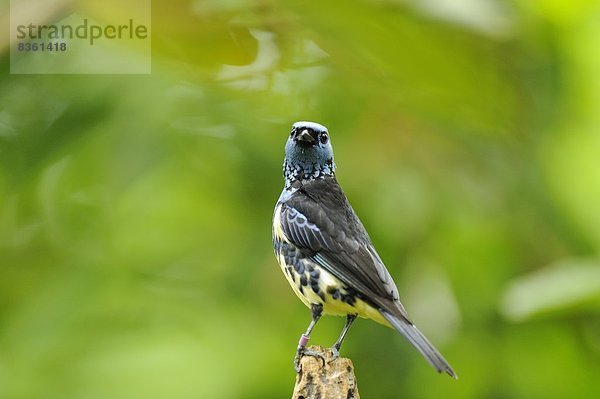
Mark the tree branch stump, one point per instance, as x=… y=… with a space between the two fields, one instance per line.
x=333 y=380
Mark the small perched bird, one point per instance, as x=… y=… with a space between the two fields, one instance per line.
x=325 y=252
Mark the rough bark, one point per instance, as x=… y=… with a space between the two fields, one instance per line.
x=325 y=378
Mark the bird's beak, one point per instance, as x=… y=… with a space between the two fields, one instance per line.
x=306 y=137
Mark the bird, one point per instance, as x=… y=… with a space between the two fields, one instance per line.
x=325 y=252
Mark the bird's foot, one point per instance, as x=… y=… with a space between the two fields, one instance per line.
x=303 y=351
x=335 y=350
x=304 y=338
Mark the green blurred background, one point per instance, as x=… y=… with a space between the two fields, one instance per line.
x=135 y=211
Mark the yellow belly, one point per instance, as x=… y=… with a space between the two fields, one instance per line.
x=331 y=305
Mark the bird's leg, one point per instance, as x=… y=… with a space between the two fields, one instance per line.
x=315 y=310
x=336 y=347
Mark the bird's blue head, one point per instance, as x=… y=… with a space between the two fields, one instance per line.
x=308 y=152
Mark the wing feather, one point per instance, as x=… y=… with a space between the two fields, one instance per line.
x=318 y=219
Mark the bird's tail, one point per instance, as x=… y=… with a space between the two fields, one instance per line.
x=418 y=340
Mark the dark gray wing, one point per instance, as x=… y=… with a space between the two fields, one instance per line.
x=319 y=219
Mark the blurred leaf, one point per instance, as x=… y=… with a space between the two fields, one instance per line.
x=567 y=285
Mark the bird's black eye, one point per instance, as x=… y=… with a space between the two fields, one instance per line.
x=323 y=138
